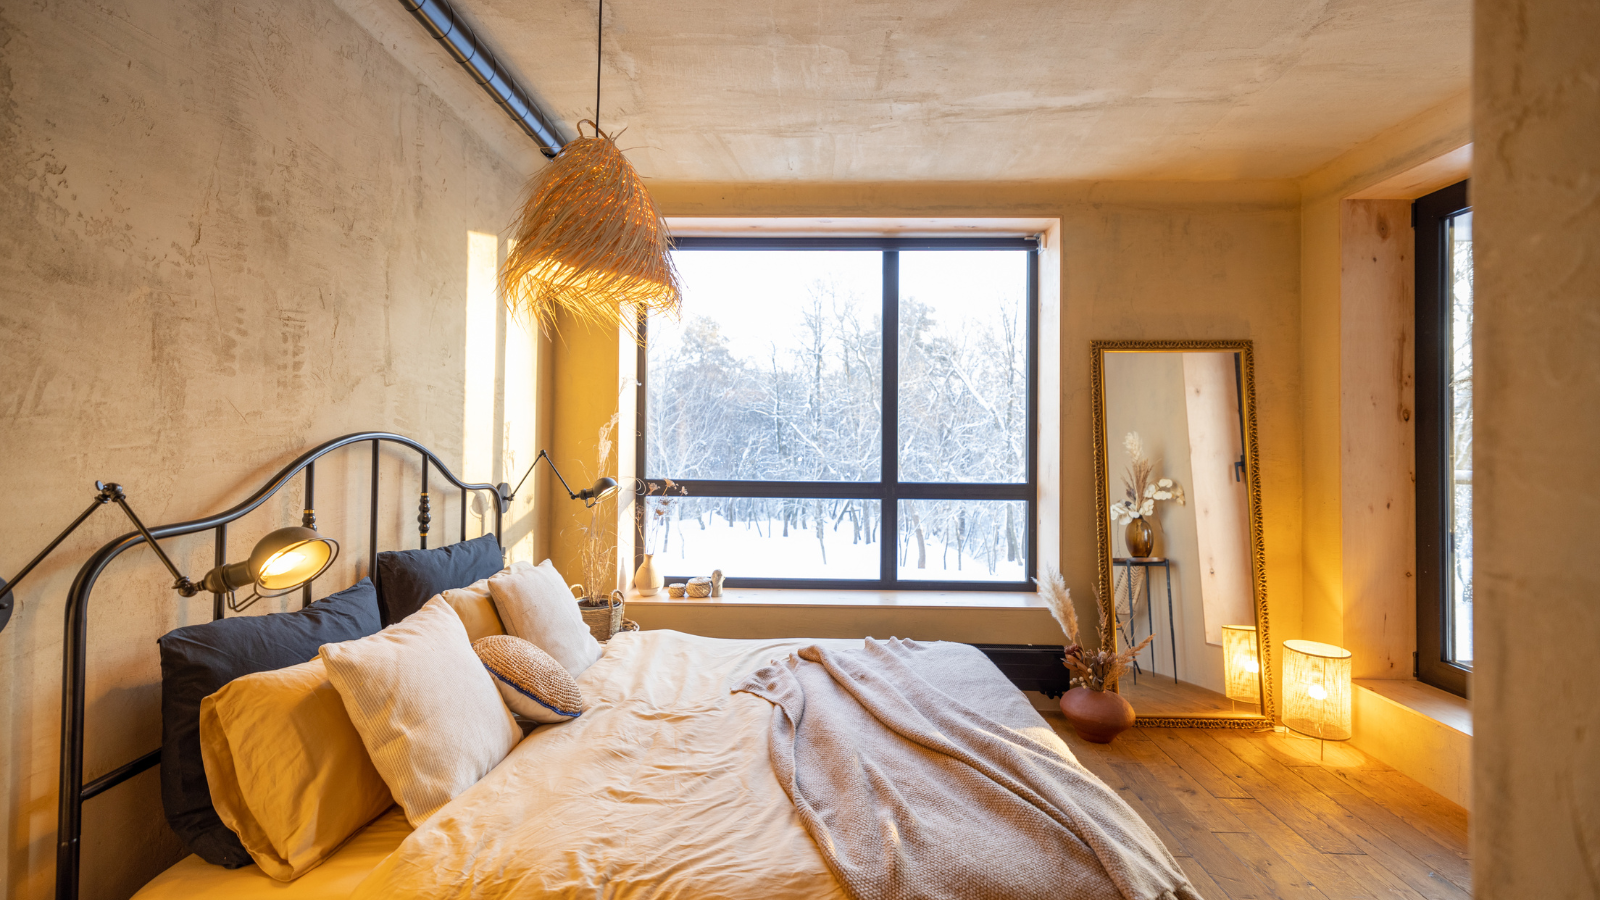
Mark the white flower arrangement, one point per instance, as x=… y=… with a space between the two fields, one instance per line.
x=1143 y=493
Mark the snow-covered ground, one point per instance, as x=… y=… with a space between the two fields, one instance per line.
x=750 y=551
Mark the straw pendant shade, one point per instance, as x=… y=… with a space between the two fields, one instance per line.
x=1241 y=665
x=589 y=242
x=1316 y=687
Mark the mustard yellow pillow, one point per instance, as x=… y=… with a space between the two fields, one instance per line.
x=288 y=772
x=476 y=609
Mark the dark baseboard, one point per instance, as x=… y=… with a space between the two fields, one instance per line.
x=1031 y=667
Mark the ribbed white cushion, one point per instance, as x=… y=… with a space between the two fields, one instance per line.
x=426 y=709
x=535 y=605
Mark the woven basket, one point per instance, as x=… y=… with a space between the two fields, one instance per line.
x=605 y=621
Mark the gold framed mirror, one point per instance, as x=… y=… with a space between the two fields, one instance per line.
x=1182 y=559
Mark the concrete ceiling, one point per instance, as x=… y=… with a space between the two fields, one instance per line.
x=1014 y=90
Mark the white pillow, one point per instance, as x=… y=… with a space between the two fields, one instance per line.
x=535 y=605
x=426 y=709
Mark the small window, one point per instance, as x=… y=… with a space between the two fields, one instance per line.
x=1444 y=438
x=846 y=414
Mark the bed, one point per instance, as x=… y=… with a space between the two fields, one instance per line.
x=672 y=782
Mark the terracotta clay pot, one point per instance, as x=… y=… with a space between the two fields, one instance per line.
x=1098 y=716
x=1140 y=537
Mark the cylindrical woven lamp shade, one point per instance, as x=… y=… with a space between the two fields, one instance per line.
x=1241 y=664
x=589 y=243
x=1316 y=689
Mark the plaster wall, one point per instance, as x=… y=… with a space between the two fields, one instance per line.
x=1138 y=261
x=227 y=232
x=1536 y=220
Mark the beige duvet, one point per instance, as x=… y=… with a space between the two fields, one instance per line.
x=663 y=788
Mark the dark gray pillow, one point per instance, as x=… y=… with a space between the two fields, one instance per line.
x=197 y=660
x=409 y=578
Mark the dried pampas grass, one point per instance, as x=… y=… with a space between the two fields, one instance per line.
x=589 y=242
x=1059 y=599
x=1095 y=670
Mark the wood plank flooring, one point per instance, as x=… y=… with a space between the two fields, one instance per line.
x=1159 y=695
x=1260 y=817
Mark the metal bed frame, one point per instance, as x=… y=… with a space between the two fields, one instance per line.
x=75 y=655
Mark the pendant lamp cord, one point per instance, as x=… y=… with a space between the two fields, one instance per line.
x=599 y=36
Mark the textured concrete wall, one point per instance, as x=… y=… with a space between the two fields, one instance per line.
x=227 y=232
x=1151 y=261
x=1536 y=222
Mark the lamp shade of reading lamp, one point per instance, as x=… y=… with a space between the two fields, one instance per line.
x=1316 y=687
x=282 y=561
x=1241 y=664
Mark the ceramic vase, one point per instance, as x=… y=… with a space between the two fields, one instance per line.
x=1141 y=538
x=1098 y=716
x=648 y=579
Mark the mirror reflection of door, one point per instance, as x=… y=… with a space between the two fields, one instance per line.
x=1182 y=411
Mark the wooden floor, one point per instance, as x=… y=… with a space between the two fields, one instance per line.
x=1256 y=815
x=1159 y=695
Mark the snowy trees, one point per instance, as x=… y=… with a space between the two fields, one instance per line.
x=796 y=394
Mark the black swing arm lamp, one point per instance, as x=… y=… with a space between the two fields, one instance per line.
x=282 y=561
x=602 y=488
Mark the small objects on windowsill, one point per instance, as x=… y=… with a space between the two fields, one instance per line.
x=716 y=582
x=698 y=587
x=676 y=591
x=648 y=578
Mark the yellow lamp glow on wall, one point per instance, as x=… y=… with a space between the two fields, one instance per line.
x=1316 y=687
x=1242 y=667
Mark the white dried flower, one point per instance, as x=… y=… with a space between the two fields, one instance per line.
x=1162 y=495
x=1148 y=508
x=1165 y=482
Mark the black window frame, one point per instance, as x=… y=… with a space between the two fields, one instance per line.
x=1430 y=217
x=888 y=490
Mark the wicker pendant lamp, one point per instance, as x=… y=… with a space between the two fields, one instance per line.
x=588 y=240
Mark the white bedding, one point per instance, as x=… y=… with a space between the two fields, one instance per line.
x=663 y=788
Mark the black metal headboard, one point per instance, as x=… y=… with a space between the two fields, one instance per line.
x=73 y=791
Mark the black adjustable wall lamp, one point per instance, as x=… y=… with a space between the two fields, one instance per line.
x=282 y=561
x=601 y=489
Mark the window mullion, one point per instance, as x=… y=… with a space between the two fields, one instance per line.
x=889 y=542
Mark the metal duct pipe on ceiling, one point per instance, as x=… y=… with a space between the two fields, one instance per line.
x=446 y=26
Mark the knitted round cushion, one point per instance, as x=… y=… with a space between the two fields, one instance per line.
x=533 y=684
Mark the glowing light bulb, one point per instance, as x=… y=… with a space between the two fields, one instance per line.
x=1316 y=692
x=283 y=562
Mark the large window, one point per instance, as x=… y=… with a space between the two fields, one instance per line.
x=1444 y=438
x=845 y=413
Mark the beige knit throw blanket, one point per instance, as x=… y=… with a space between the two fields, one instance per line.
x=913 y=792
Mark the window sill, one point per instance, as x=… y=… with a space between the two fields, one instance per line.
x=1424 y=700
x=770 y=597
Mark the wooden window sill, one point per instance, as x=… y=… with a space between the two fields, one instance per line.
x=770 y=597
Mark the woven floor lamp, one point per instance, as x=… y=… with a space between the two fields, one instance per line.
x=588 y=240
